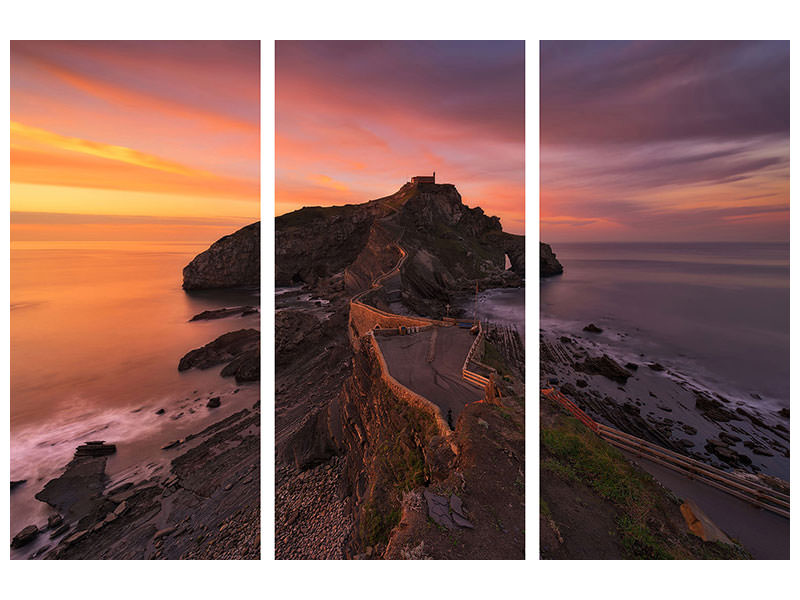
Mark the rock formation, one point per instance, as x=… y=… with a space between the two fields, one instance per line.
x=548 y=263
x=450 y=246
x=232 y=261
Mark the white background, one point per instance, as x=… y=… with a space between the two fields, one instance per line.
x=412 y=19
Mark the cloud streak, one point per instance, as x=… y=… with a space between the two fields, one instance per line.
x=664 y=140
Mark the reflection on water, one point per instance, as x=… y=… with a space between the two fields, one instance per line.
x=97 y=331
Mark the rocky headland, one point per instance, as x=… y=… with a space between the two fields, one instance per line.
x=384 y=469
x=231 y=261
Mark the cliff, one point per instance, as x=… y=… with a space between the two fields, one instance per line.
x=548 y=263
x=450 y=246
x=231 y=261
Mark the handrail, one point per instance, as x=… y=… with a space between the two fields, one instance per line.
x=753 y=493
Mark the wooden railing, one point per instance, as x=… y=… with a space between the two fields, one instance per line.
x=753 y=493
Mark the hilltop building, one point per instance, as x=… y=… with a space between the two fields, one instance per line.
x=424 y=178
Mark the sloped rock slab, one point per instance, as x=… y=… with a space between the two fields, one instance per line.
x=447 y=513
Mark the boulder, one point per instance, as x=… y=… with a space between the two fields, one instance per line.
x=592 y=328
x=213 y=402
x=24 y=537
x=224 y=349
x=605 y=366
x=548 y=263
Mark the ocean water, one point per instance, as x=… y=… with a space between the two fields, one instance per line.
x=716 y=312
x=97 y=330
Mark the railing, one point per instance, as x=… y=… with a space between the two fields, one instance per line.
x=472 y=377
x=753 y=493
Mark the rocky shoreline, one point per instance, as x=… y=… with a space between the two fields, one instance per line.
x=204 y=505
x=658 y=403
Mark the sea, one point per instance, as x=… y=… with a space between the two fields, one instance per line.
x=97 y=331
x=717 y=313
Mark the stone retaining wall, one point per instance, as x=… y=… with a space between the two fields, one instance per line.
x=364 y=318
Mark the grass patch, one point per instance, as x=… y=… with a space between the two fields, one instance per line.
x=377 y=523
x=493 y=358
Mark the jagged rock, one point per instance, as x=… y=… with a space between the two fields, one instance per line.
x=77 y=492
x=605 y=366
x=160 y=411
x=784 y=412
x=439 y=457
x=95 y=449
x=656 y=367
x=438 y=509
x=54 y=521
x=713 y=408
x=24 y=537
x=224 y=349
x=548 y=263
x=592 y=328
x=232 y=261
x=631 y=366
x=213 y=402
x=221 y=313
x=245 y=368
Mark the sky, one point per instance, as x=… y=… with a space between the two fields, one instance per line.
x=134 y=140
x=356 y=120
x=664 y=141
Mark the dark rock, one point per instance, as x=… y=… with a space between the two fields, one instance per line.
x=224 y=349
x=461 y=521
x=26 y=536
x=548 y=263
x=689 y=429
x=581 y=383
x=605 y=366
x=592 y=328
x=245 y=368
x=631 y=366
x=64 y=528
x=552 y=380
x=54 y=521
x=160 y=411
x=784 y=412
x=221 y=313
x=95 y=449
x=174 y=444
x=232 y=261
x=77 y=492
x=631 y=408
x=729 y=438
x=656 y=367
x=713 y=409
x=17 y=483
x=755 y=396
x=213 y=402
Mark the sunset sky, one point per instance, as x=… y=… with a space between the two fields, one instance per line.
x=133 y=140
x=664 y=141
x=356 y=120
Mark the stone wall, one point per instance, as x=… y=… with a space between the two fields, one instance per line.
x=364 y=318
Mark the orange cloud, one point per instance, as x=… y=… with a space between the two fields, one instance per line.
x=111 y=152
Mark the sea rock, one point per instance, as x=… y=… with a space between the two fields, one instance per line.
x=232 y=261
x=26 y=536
x=213 y=402
x=160 y=411
x=713 y=408
x=548 y=263
x=631 y=366
x=64 y=528
x=245 y=368
x=17 y=483
x=78 y=490
x=95 y=449
x=605 y=366
x=54 y=521
x=656 y=367
x=221 y=313
x=224 y=349
x=592 y=328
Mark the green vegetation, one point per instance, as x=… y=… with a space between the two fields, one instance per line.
x=574 y=453
x=579 y=455
x=493 y=358
x=377 y=523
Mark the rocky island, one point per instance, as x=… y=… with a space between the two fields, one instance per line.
x=369 y=464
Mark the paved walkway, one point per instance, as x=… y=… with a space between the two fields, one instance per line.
x=763 y=533
x=440 y=380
